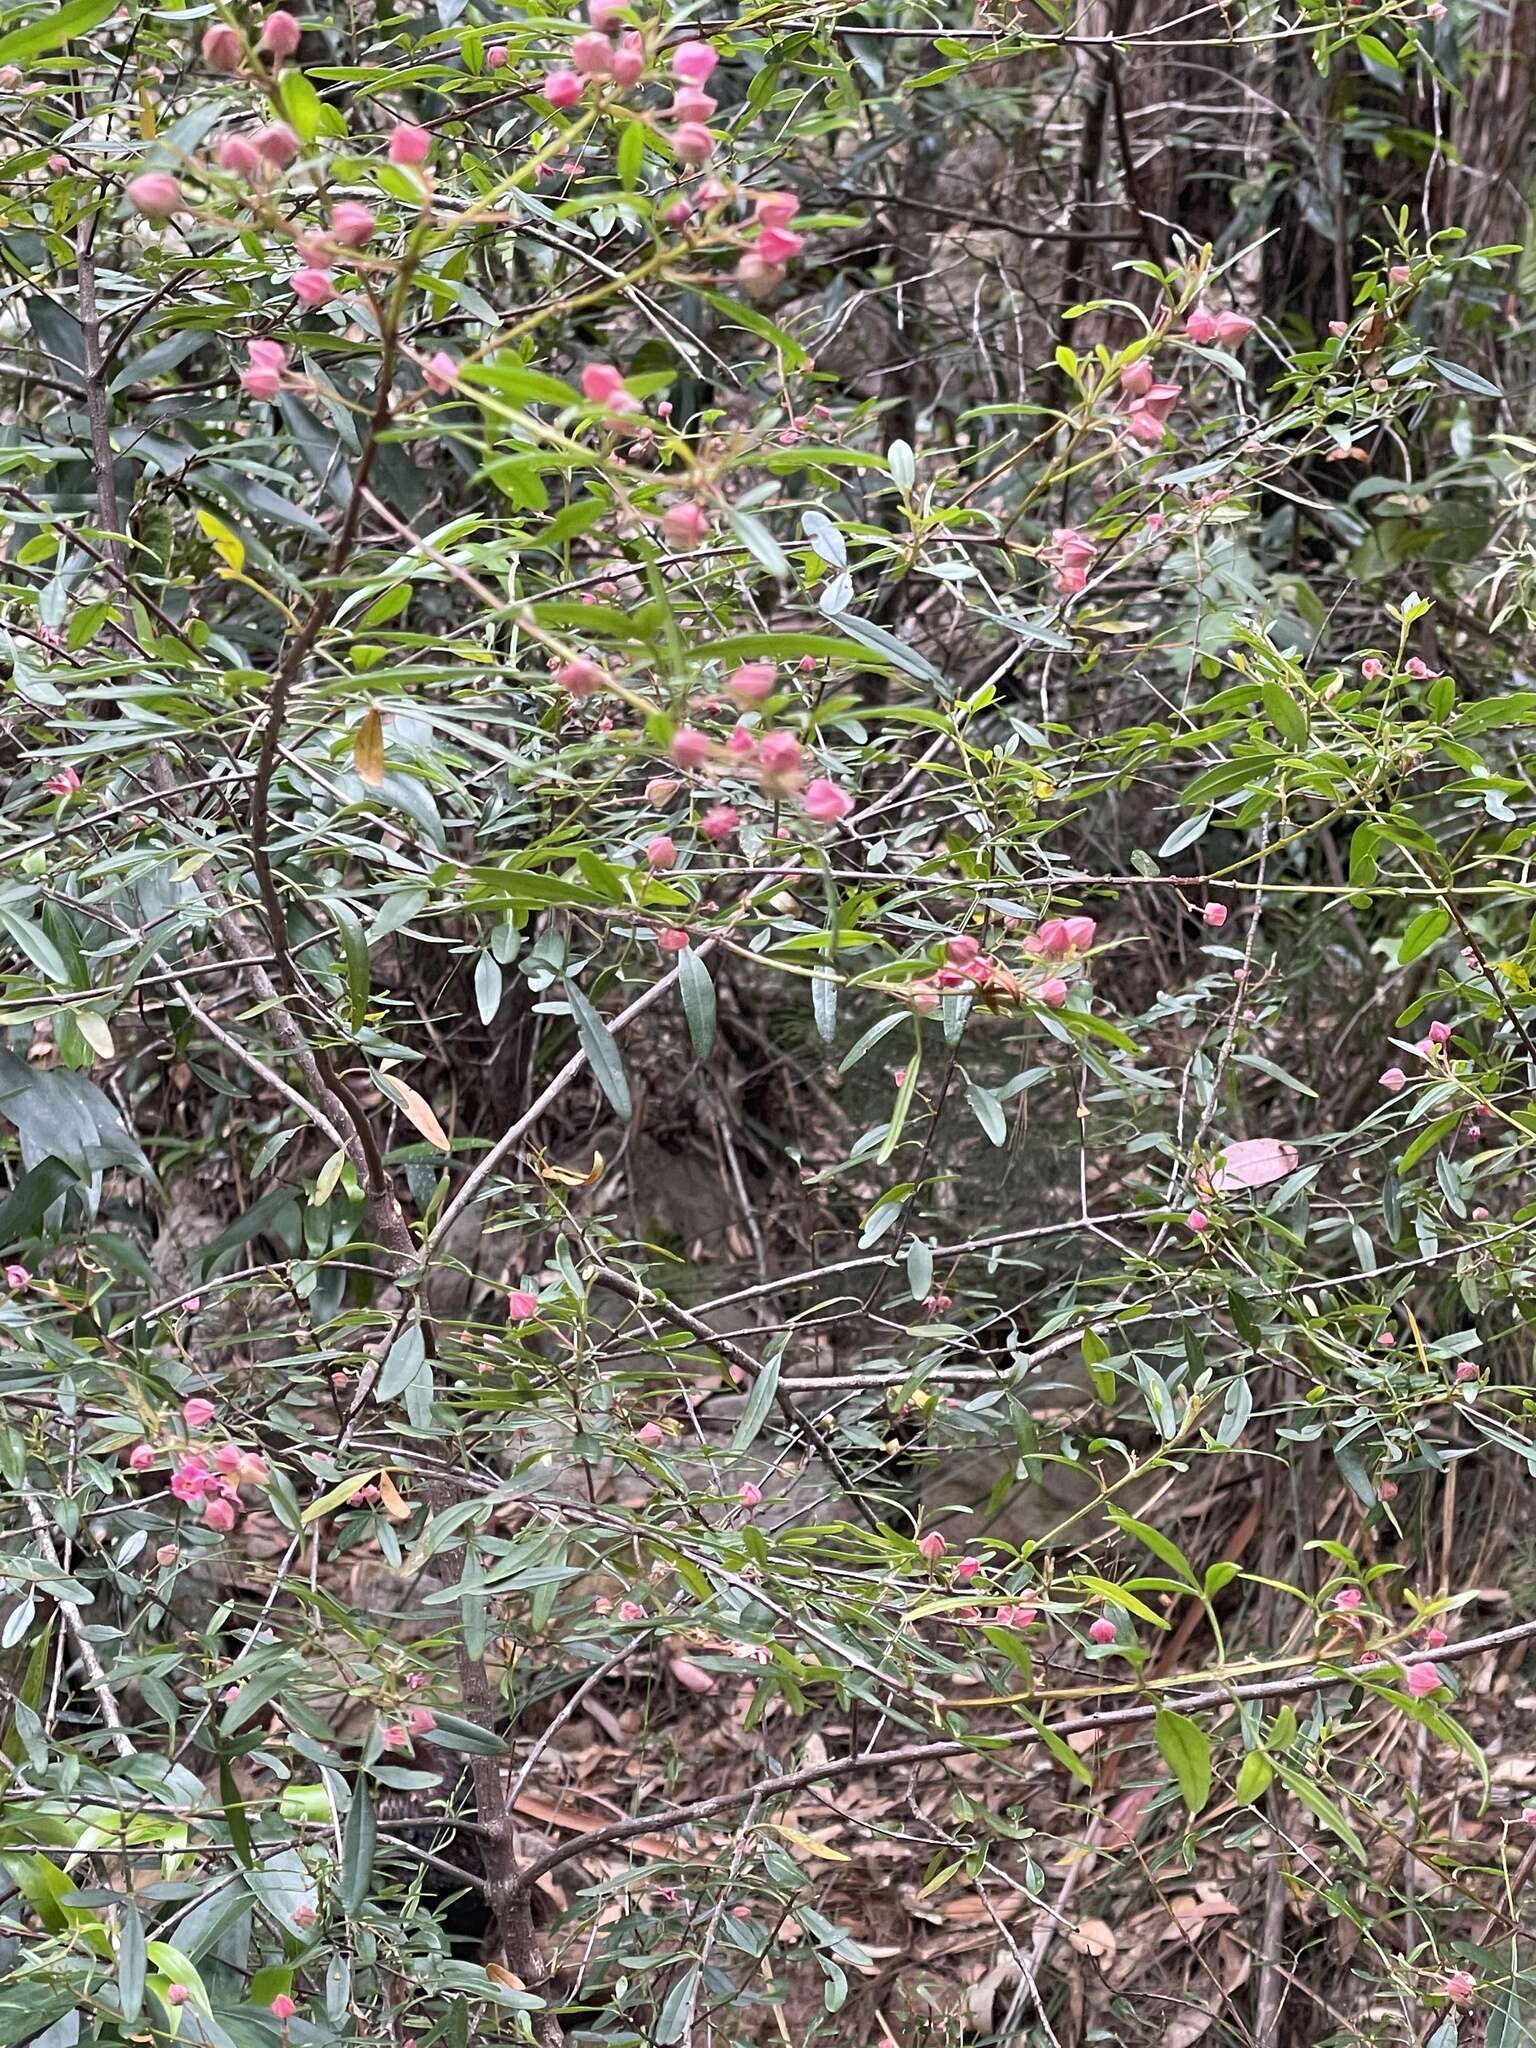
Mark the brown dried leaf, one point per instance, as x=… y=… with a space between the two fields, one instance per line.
x=1252 y=1163
x=396 y=1506
x=368 y=750
x=417 y=1110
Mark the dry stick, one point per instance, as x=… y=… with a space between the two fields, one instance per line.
x=798 y=1424
x=1312 y=1680
x=74 y=1622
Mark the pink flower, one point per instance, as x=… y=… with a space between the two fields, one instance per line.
x=631 y=1610
x=693 y=62
x=1479 y=1214
x=352 y=224
x=221 y=1515
x=777 y=245
x=409 y=145
x=11 y=76
x=279 y=34
x=661 y=852
x=238 y=156
x=1461 y=1987
x=1137 y=378
x=1400 y=273
x=960 y=952
x=1052 y=939
x=673 y=939
x=750 y=1496
x=197 y=1413
x=155 y=194
x=222 y=48
x=1080 y=932
x=752 y=681
x=825 y=802
x=685 y=524
x=592 y=55
x=966 y=1569
x=1232 y=328
x=1439 y=1032
x=741 y=745
x=311 y=287
x=562 y=88
x=393 y=1737
x=932 y=1546
x=1215 y=915
x=603 y=385
x=440 y=372
x=64 y=782
x=1053 y=992
x=283 y=2007
x=1466 y=1371
x=629 y=60
x=1423 y=1679
x=580 y=676
x=1387 y=1490
x=1349 y=1597
x=191 y=1479
x=421 y=1720
x=141 y=1457
x=277 y=143
x=175 y=1994
x=661 y=789
x=1393 y=1079
x=650 y=1434
x=690 y=748
x=719 y=822
x=780 y=759
x=1103 y=1630
x=693 y=143
x=1200 y=326
x=227 y=1458
x=522 y=1306
x=1372 y=669
x=677 y=212
x=1197 y=1221
x=1435 y=1638
x=775 y=209
x=496 y=56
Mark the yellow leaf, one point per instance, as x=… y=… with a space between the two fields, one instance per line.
x=419 y=1112
x=500 y=1974
x=329 y=1174
x=368 y=750
x=228 y=546
x=94 y=1030
x=809 y=1843
x=396 y=1506
x=149 y=126
x=563 y=1177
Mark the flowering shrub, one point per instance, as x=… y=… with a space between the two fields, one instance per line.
x=768 y=1028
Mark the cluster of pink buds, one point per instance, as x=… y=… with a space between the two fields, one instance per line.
x=1069 y=555
x=966 y=967
x=594 y=55
x=224 y=48
x=1148 y=403
x=603 y=385
x=777 y=759
x=263 y=376
x=211 y=1479
x=691 y=105
x=1224 y=330
x=399 y=1734
x=761 y=270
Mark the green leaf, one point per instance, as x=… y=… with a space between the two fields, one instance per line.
x=1254 y=1778
x=602 y=1053
x=130 y=1962
x=1422 y=933
x=1060 y=1748
x=759 y=1401
x=1185 y=835
x=1186 y=1749
x=697 y=991
x=487 y=988
x=760 y=544
x=1317 y=1803
x=58 y=25
x=1161 y=1546
x=1284 y=714
x=403 y=1362
x=357 y=1843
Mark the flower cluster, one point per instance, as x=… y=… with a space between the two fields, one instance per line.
x=208 y=1477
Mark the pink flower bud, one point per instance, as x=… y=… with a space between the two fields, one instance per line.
x=1393 y=1079
x=629 y=62
x=1423 y=1679
x=604 y=385
x=660 y=852
x=562 y=88
x=1215 y=915
x=393 y=1736
x=277 y=143
x=197 y=1413
x=1435 y=1638
x=1103 y=1630
x=1479 y=1214
x=753 y=681
x=352 y=224
x=166 y=1555
x=1197 y=1221
x=238 y=156
x=685 y=524
x=775 y=209
x=592 y=55
x=1348 y=1598
x=155 y=194
x=1053 y=992
x=1052 y=939
x=750 y=1496
x=580 y=676
x=141 y=1457
x=11 y=76
x=962 y=951
x=778 y=245
x=1387 y=1490
x=719 y=822
x=421 y=1720
x=17 y=1278
x=440 y=372
x=694 y=62
x=1080 y=933
x=311 y=287
x=283 y=2007
x=677 y=212
x=496 y=56
x=1399 y=273
x=221 y=1515
x=966 y=1569
x=932 y=1546
x=757 y=277
x=1231 y=328
x=1465 y=1371
x=279 y=34
x=661 y=789
x=673 y=939
x=522 y=1306
x=693 y=143
x=651 y=1434
x=1439 y=1032
x=689 y=1675
x=222 y=48
x=175 y=1994
x=409 y=146
x=779 y=754
x=690 y=748
x=1461 y=1987
x=64 y=782
x=1137 y=378
x=690 y=104
x=1200 y=326
x=825 y=802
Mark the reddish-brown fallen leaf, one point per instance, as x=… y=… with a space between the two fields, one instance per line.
x=1252 y=1163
